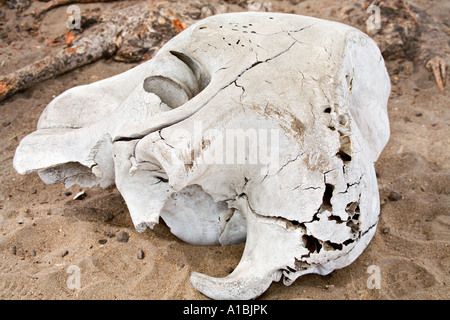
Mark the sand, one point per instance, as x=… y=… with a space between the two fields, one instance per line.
x=47 y=239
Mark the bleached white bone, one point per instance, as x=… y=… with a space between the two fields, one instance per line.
x=261 y=127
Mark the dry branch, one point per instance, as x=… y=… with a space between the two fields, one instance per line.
x=130 y=35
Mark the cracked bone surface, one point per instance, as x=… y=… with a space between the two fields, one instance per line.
x=256 y=127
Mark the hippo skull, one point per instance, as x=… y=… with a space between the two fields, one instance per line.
x=260 y=127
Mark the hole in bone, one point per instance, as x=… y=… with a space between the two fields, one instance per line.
x=345 y=150
x=331 y=246
x=353 y=225
x=353 y=211
x=335 y=218
x=311 y=243
x=170 y=92
x=327 y=110
x=351 y=208
x=343 y=120
x=348 y=241
x=344 y=156
x=326 y=200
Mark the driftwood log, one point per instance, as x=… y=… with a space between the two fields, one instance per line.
x=131 y=34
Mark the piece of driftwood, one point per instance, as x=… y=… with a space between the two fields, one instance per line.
x=131 y=34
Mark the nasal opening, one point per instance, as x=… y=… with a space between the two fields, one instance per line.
x=178 y=79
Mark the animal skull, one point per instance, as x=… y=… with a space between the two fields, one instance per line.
x=164 y=132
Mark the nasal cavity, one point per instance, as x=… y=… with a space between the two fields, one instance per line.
x=202 y=76
x=170 y=92
x=178 y=79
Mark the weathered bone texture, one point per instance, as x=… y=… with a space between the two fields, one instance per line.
x=316 y=90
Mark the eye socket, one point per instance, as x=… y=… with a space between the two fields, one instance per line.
x=170 y=92
x=180 y=80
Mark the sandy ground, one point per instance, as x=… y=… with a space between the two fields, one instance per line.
x=44 y=232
